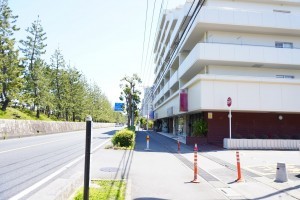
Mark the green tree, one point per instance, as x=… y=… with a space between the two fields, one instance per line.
x=131 y=95
x=58 y=75
x=74 y=93
x=10 y=75
x=33 y=48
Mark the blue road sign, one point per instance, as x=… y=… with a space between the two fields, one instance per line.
x=119 y=106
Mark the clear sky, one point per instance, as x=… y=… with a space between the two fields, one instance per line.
x=103 y=39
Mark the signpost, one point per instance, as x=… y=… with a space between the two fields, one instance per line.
x=87 y=158
x=229 y=102
x=119 y=106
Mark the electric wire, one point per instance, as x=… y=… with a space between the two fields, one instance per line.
x=178 y=38
x=145 y=28
x=186 y=30
x=147 y=70
x=147 y=55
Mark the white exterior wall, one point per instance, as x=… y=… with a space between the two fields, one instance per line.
x=259 y=5
x=173 y=101
x=252 y=71
x=209 y=92
x=227 y=42
x=250 y=39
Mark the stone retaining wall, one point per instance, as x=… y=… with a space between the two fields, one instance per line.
x=21 y=128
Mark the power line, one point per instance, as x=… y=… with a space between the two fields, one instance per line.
x=177 y=47
x=146 y=69
x=178 y=37
x=144 y=38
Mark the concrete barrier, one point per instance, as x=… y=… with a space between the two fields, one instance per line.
x=21 y=128
x=274 y=144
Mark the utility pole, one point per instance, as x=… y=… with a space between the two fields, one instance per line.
x=147 y=114
x=132 y=107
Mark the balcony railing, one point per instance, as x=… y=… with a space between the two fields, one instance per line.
x=240 y=55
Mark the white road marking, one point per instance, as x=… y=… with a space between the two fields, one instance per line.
x=41 y=182
x=26 y=147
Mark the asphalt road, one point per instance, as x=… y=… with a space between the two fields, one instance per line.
x=26 y=161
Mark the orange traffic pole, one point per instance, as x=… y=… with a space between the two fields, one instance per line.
x=178 y=144
x=195 y=165
x=148 y=140
x=239 y=173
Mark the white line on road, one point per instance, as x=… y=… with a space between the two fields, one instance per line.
x=26 y=147
x=41 y=182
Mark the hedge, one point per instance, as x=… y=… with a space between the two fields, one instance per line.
x=123 y=138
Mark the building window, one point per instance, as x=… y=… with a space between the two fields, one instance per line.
x=288 y=45
x=285 y=76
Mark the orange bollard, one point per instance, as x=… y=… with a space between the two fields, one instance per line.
x=239 y=178
x=178 y=144
x=195 y=165
x=148 y=140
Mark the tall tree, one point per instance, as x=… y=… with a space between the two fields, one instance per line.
x=74 y=93
x=33 y=48
x=131 y=95
x=58 y=79
x=10 y=76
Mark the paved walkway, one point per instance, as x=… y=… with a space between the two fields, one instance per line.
x=163 y=173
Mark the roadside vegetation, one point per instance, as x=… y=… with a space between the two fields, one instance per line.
x=108 y=189
x=32 y=88
x=124 y=139
x=23 y=114
x=144 y=122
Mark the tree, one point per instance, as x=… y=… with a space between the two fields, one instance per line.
x=74 y=93
x=10 y=76
x=33 y=48
x=131 y=96
x=57 y=67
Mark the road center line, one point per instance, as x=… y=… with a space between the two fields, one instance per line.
x=26 y=147
x=41 y=182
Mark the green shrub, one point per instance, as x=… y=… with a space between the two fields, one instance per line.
x=123 y=138
x=200 y=128
x=132 y=128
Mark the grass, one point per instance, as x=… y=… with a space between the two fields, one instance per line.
x=13 y=113
x=108 y=189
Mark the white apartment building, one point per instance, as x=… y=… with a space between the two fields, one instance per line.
x=147 y=106
x=248 y=50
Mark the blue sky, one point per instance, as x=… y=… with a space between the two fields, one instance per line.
x=103 y=39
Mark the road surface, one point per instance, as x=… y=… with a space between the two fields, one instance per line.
x=28 y=164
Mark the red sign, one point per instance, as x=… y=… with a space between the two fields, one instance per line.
x=183 y=101
x=229 y=102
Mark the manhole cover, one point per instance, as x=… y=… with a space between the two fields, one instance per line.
x=109 y=169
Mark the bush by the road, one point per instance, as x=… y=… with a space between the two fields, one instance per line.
x=123 y=138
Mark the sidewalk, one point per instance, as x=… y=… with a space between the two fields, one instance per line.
x=258 y=170
x=158 y=174
x=163 y=173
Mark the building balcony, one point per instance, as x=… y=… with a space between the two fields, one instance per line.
x=237 y=55
x=245 y=21
x=173 y=79
x=241 y=20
